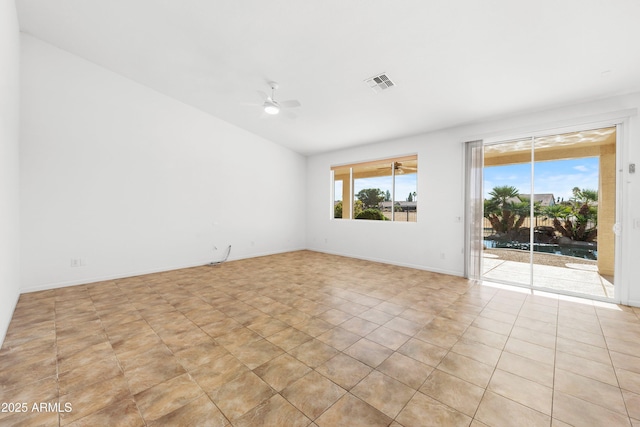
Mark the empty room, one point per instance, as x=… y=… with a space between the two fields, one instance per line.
x=287 y=213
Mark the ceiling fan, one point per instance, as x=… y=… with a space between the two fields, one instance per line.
x=399 y=168
x=272 y=106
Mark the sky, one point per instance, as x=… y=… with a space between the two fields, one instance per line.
x=558 y=177
x=405 y=184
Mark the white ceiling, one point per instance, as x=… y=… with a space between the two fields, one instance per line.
x=453 y=62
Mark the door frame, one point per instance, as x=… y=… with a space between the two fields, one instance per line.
x=618 y=119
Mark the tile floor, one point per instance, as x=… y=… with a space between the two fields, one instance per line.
x=309 y=339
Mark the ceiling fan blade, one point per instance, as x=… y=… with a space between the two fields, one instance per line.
x=291 y=103
x=263 y=95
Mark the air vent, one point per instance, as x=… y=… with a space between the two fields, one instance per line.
x=380 y=82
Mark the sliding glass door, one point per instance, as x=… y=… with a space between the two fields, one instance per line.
x=549 y=210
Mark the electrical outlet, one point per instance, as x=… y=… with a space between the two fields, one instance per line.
x=78 y=262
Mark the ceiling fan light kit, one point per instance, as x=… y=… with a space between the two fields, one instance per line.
x=273 y=107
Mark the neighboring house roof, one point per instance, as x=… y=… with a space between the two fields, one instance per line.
x=403 y=204
x=545 y=199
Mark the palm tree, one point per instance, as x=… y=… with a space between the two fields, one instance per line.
x=578 y=220
x=502 y=194
x=505 y=215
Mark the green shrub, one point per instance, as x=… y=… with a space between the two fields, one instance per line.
x=371 y=214
x=337 y=210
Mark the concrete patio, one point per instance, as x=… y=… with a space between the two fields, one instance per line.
x=574 y=277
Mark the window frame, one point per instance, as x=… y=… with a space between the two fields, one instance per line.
x=350 y=172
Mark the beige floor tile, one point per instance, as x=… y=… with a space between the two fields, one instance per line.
x=166 y=397
x=313 y=394
x=575 y=411
x=435 y=336
x=42 y=391
x=282 y=371
x=466 y=369
x=403 y=326
x=80 y=377
x=240 y=395
x=376 y=316
x=25 y=373
x=527 y=368
x=632 y=400
x=477 y=351
x=388 y=337
x=335 y=316
x=390 y=308
x=452 y=391
x=421 y=351
x=313 y=353
x=497 y=411
x=625 y=361
x=289 y=338
x=93 y=399
x=353 y=412
x=213 y=375
x=193 y=356
x=273 y=412
x=521 y=390
x=314 y=326
x=535 y=337
x=345 y=371
x=238 y=338
x=498 y=315
x=417 y=316
x=621 y=346
x=384 y=393
x=486 y=337
x=32 y=418
x=406 y=370
x=266 y=325
x=629 y=380
x=493 y=325
x=423 y=411
x=602 y=372
x=256 y=353
x=338 y=338
x=368 y=352
x=200 y=412
x=586 y=351
x=530 y=351
x=447 y=326
x=590 y=390
x=359 y=326
x=183 y=341
x=121 y=413
x=582 y=336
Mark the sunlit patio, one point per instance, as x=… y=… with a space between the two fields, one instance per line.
x=566 y=275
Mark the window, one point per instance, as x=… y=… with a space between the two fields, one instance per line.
x=384 y=190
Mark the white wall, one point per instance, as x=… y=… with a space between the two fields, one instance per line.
x=403 y=243
x=132 y=181
x=9 y=201
x=436 y=241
